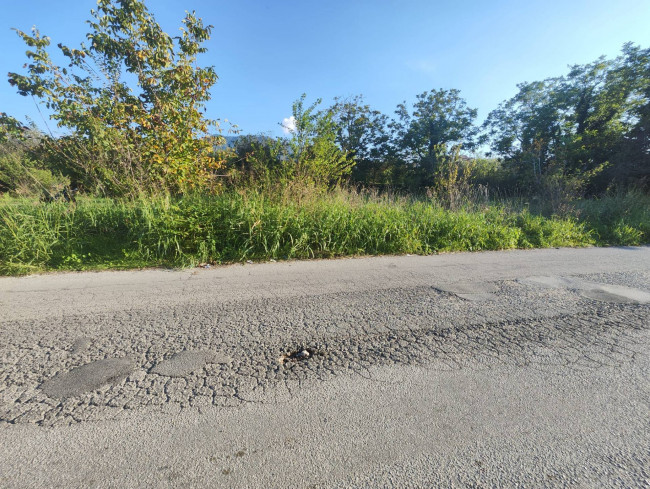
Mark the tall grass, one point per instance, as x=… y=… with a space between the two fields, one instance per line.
x=622 y=219
x=238 y=226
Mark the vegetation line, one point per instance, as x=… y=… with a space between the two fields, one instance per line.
x=240 y=226
x=143 y=178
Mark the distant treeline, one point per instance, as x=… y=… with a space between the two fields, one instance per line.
x=590 y=127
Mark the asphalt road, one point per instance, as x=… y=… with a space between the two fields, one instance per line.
x=499 y=369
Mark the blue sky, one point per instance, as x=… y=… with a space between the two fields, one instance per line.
x=268 y=53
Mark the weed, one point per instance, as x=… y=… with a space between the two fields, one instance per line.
x=251 y=225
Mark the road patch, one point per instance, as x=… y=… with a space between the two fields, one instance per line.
x=617 y=294
x=89 y=377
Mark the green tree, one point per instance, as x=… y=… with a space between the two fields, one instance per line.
x=632 y=163
x=257 y=160
x=574 y=127
x=128 y=136
x=362 y=134
x=439 y=118
x=596 y=101
x=527 y=129
x=313 y=153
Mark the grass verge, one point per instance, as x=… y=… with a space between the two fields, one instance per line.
x=239 y=226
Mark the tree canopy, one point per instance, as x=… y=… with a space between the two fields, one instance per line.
x=147 y=132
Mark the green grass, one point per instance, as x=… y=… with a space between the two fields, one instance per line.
x=234 y=227
x=618 y=220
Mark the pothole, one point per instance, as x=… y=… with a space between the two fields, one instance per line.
x=299 y=355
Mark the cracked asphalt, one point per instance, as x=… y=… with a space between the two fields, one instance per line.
x=463 y=370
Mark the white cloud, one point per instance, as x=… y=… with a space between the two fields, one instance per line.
x=289 y=124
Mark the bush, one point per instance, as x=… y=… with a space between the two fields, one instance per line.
x=22 y=170
x=618 y=219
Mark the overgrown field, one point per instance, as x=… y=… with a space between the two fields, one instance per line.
x=239 y=226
